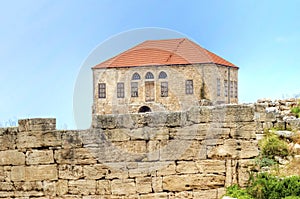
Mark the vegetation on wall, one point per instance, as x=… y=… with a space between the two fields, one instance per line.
x=263 y=185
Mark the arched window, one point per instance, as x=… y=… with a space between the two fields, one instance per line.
x=162 y=75
x=136 y=76
x=149 y=75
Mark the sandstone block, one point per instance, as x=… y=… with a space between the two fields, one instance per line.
x=39 y=157
x=184 y=167
x=118 y=135
x=12 y=157
x=35 y=139
x=8 y=138
x=66 y=171
x=6 y=186
x=82 y=187
x=61 y=187
x=103 y=187
x=41 y=172
x=29 y=186
x=157 y=184
x=211 y=166
x=249 y=149
x=18 y=173
x=192 y=182
x=205 y=194
x=96 y=171
x=162 y=195
x=74 y=156
x=37 y=124
x=143 y=184
x=72 y=138
x=123 y=187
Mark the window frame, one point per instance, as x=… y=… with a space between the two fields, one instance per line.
x=231 y=89
x=226 y=88
x=235 y=89
x=164 y=89
x=149 y=75
x=134 y=92
x=102 y=90
x=189 y=87
x=120 y=90
x=136 y=76
x=218 y=87
x=162 y=75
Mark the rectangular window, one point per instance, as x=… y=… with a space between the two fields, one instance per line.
x=120 y=90
x=231 y=88
x=235 y=89
x=225 y=88
x=134 y=89
x=189 y=87
x=164 y=89
x=101 y=90
x=218 y=87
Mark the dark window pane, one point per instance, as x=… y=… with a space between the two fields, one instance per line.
x=189 y=87
x=120 y=90
x=101 y=90
x=149 y=75
x=162 y=75
x=134 y=89
x=164 y=89
x=136 y=76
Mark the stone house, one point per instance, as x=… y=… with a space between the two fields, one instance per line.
x=159 y=75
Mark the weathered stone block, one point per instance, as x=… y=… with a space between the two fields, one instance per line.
x=184 y=167
x=37 y=124
x=205 y=194
x=157 y=184
x=41 y=172
x=96 y=171
x=103 y=187
x=61 y=187
x=6 y=186
x=123 y=187
x=162 y=195
x=36 y=139
x=12 y=157
x=74 y=156
x=211 y=166
x=192 y=182
x=34 y=173
x=8 y=138
x=82 y=187
x=39 y=157
x=66 y=171
x=29 y=186
x=72 y=139
x=143 y=184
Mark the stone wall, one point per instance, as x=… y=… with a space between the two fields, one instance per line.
x=276 y=114
x=192 y=154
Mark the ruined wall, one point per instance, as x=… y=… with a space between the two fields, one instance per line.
x=192 y=154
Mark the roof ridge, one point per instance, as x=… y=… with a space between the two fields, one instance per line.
x=176 y=48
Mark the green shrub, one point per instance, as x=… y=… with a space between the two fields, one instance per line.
x=268 y=186
x=236 y=192
x=296 y=111
x=272 y=146
x=264 y=162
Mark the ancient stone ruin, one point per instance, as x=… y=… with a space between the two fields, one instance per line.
x=191 y=154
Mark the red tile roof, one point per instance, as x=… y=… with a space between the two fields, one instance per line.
x=164 y=52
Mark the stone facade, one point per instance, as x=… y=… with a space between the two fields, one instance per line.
x=216 y=83
x=189 y=154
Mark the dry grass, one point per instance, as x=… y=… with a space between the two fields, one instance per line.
x=292 y=168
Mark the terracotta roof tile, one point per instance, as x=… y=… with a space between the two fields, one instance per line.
x=164 y=52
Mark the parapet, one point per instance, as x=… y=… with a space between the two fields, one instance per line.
x=37 y=124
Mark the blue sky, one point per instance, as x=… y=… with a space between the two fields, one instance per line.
x=43 y=45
